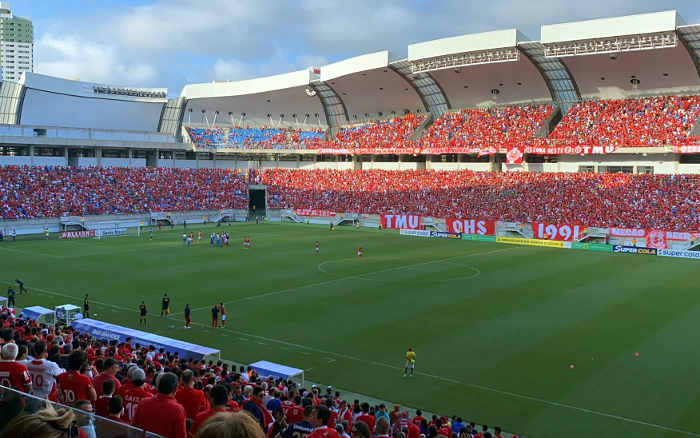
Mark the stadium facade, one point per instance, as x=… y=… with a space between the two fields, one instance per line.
x=52 y=121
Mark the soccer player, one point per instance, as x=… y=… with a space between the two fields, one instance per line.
x=20 y=285
x=215 y=316
x=410 y=362
x=10 y=297
x=86 y=306
x=150 y=233
x=46 y=232
x=142 y=314
x=187 y=316
x=184 y=239
x=165 y=307
x=199 y=237
x=246 y=242
x=318 y=247
x=359 y=252
x=222 y=309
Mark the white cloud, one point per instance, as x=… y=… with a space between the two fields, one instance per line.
x=230 y=70
x=74 y=57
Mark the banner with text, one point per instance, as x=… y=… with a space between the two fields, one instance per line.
x=530 y=242
x=312 y=212
x=400 y=221
x=564 y=233
x=471 y=226
x=78 y=234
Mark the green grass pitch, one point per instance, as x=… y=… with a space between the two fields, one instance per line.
x=495 y=327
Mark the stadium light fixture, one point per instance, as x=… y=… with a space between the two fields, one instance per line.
x=465 y=59
x=627 y=43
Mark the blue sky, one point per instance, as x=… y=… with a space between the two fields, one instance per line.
x=171 y=43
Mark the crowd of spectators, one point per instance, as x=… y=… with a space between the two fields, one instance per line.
x=648 y=121
x=35 y=192
x=162 y=393
x=256 y=138
x=391 y=133
x=497 y=128
x=666 y=202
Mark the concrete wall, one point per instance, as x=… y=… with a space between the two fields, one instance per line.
x=477 y=167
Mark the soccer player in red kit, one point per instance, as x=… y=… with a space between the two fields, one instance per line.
x=319 y=420
x=359 y=252
x=318 y=247
x=73 y=386
x=222 y=309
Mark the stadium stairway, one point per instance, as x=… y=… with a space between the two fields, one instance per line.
x=420 y=130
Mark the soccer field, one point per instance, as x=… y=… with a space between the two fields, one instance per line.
x=495 y=327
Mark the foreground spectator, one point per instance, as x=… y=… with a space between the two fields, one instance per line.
x=231 y=425
x=162 y=414
x=46 y=423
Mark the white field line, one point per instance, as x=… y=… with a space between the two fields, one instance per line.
x=349 y=277
x=399 y=368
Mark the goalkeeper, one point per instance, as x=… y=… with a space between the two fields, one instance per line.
x=410 y=362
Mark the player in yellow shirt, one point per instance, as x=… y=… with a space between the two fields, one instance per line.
x=410 y=361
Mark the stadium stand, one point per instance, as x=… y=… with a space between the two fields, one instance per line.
x=483 y=128
x=255 y=138
x=646 y=122
x=34 y=192
x=636 y=201
x=202 y=388
x=392 y=133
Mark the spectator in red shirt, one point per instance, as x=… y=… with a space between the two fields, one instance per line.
x=162 y=414
x=134 y=395
x=193 y=400
x=72 y=385
x=366 y=417
x=111 y=368
x=102 y=403
x=13 y=374
x=320 y=420
x=116 y=409
x=219 y=397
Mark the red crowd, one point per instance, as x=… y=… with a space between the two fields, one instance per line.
x=157 y=391
x=663 y=202
x=34 y=192
x=494 y=127
x=392 y=133
x=649 y=121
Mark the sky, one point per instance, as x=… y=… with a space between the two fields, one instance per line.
x=170 y=43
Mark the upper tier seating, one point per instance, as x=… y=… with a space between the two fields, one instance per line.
x=255 y=138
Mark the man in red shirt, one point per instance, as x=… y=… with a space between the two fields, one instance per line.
x=443 y=429
x=162 y=414
x=14 y=374
x=136 y=393
x=366 y=417
x=73 y=386
x=418 y=418
x=102 y=403
x=116 y=409
x=319 y=419
x=111 y=368
x=219 y=397
x=193 y=400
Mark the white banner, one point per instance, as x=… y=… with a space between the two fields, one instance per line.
x=417 y=233
x=683 y=254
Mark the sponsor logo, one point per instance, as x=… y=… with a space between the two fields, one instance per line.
x=417 y=233
x=312 y=212
x=530 y=242
x=634 y=250
x=445 y=235
x=647 y=251
x=113 y=232
x=683 y=254
x=627 y=232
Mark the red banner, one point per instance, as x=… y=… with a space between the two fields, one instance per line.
x=657 y=239
x=401 y=222
x=564 y=233
x=515 y=155
x=312 y=212
x=77 y=234
x=568 y=150
x=471 y=226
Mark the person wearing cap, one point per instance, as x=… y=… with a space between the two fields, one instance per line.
x=162 y=414
x=111 y=368
x=135 y=393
